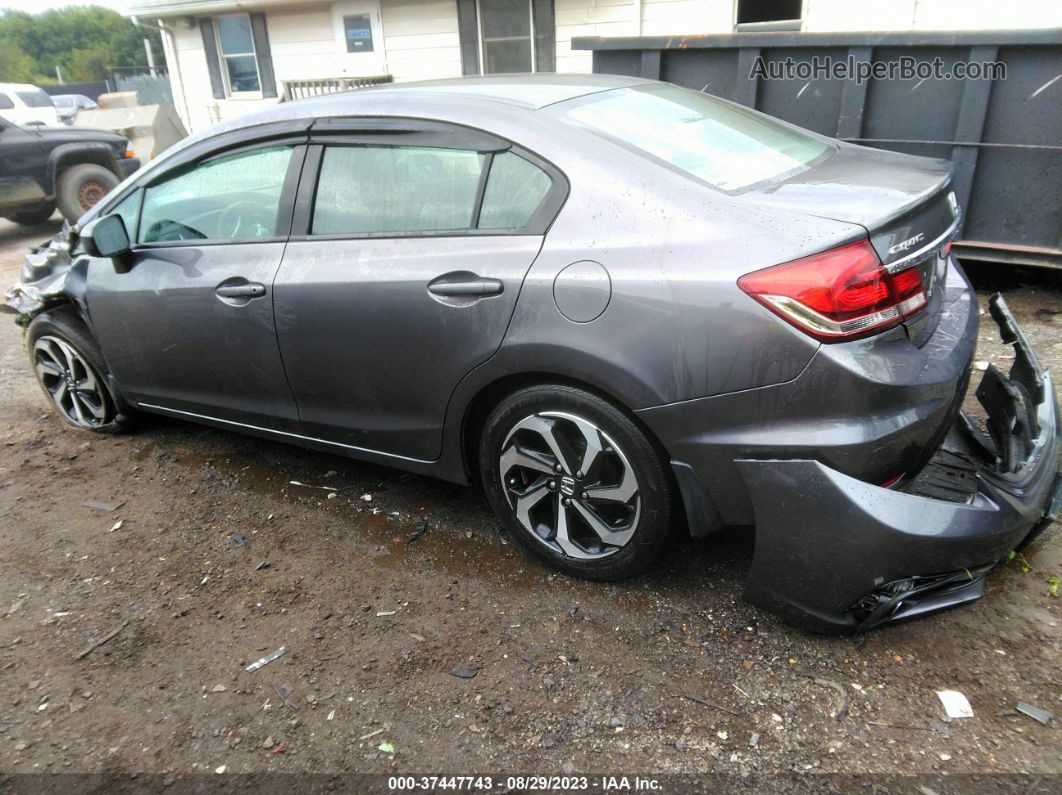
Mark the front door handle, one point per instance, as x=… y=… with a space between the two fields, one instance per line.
x=252 y=290
x=472 y=287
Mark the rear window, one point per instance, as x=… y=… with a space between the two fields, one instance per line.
x=728 y=146
x=5 y=102
x=35 y=99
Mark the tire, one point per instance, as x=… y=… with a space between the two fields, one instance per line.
x=80 y=187
x=625 y=493
x=33 y=215
x=63 y=353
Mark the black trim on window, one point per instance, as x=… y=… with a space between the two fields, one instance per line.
x=468 y=35
x=210 y=49
x=266 y=78
x=481 y=189
x=404 y=132
x=545 y=35
x=307 y=193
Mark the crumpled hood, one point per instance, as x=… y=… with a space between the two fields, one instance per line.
x=49 y=275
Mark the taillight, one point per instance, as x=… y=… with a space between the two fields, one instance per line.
x=840 y=293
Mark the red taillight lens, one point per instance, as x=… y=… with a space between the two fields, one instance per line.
x=843 y=292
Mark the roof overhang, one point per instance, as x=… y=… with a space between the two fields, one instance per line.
x=151 y=9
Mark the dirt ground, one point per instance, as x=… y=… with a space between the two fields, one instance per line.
x=383 y=585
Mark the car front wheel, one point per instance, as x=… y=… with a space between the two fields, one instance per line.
x=576 y=481
x=72 y=374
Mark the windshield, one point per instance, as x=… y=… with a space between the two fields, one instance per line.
x=35 y=99
x=726 y=145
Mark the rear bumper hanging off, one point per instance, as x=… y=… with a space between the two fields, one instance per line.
x=836 y=554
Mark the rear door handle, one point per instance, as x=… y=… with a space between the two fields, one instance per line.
x=467 y=287
x=252 y=290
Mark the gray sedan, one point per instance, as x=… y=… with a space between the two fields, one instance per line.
x=622 y=307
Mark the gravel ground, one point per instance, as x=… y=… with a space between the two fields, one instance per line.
x=385 y=586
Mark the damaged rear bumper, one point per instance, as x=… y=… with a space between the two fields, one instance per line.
x=836 y=554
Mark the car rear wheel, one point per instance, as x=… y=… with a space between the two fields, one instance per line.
x=34 y=215
x=576 y=481
x=71 y=372
x=80 y=187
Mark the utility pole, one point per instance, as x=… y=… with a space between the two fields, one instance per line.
x=150 y=56
x=58 y=74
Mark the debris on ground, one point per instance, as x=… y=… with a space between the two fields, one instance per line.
x=705 y=702
x=265 y=660
x=239 y=539
x=366 y=498
x=110 y=507
x=95 y=645
x=842 y=710
x=1034 y=712
x=464 y=673
x=420 y=527
x=370 y=735
x=278 y=749
x=116 y=526
x=386 y=747
x=311 y=486
x=265 y=564
x=955 y=704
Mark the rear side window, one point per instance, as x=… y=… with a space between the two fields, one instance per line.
x=35 y=99
x=515 y=190
x=5 y=102
x=228 y=198
x=366 y=190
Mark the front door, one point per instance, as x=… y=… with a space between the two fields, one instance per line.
x=189 y=329
x=404 y=280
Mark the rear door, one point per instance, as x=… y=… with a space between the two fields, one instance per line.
x=408 y=250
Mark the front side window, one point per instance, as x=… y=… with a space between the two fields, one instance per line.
x=725 y=145
x=239 y=60
x=5 y=102
x=506 y=36
x=235 y=197
x=365 y=190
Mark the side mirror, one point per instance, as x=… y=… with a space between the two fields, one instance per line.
x=106 y=237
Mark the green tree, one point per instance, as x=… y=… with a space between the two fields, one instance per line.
x=81 y=40
x=15 y=65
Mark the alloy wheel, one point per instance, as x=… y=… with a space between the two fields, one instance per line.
x=70 y=381
x=570 y=485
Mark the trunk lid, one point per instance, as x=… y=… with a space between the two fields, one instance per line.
x=904 y=202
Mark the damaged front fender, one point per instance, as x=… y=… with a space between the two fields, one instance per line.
x=50 y=276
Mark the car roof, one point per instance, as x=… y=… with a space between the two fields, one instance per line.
x=474 y=94
x=530 y=91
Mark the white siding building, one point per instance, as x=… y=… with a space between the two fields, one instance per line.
x=227 y=57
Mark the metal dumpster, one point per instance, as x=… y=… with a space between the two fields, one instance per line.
x=1004 y=135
